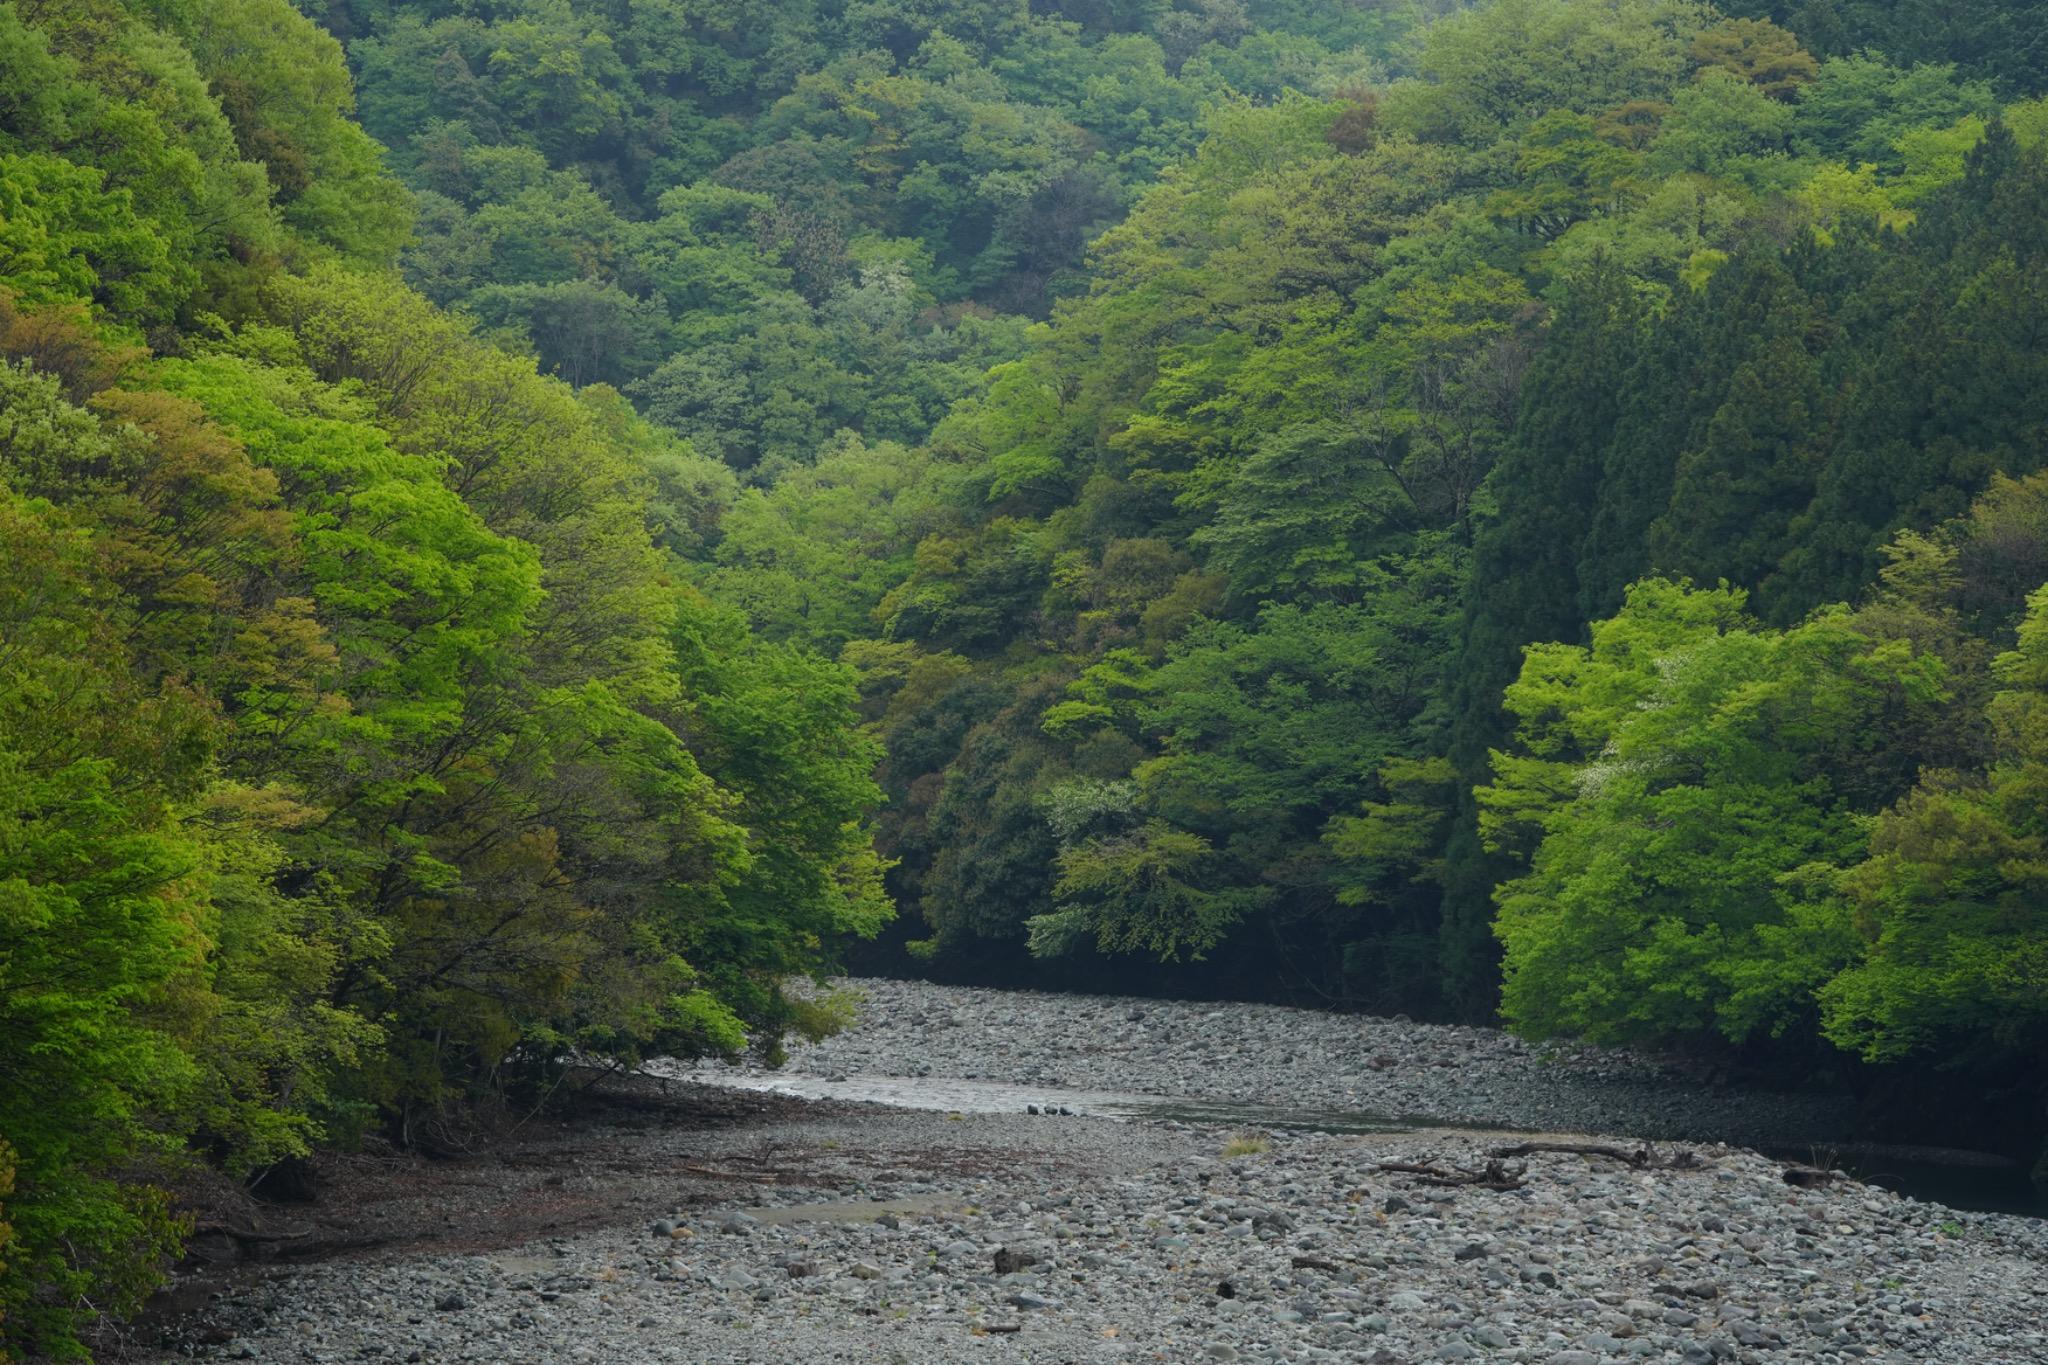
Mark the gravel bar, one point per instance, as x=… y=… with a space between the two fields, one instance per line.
x=1303 y=1058
x=863 y=1233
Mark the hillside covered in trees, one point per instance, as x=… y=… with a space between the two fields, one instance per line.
x=362 y=746
x=531 y=523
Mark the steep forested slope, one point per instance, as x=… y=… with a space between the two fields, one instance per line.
x=361 y=748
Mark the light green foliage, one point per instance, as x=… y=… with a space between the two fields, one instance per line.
x=1858 y=107
x=1394 y=843
x=63 y=236
x=812 y=557
x=775 y=726
x=1568 y=172
x=1262 y=725
x=1724 y=126
x=1837 y=195
x=287 y=93
x=1934 y=157
x=101 y=943
x=1675 y=783
x=1489 y=70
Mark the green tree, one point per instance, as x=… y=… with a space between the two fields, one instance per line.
x=101 y=938
x=1946 y=907
x=1673 y=789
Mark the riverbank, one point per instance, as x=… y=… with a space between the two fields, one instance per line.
x=827 y=1231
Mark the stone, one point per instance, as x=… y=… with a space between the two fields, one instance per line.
x=451 y=1302
x=865 y=1270
x=1010 y=1260
x=663 y=1228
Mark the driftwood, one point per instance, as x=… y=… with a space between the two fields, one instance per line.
x=713 y=1173
x=1492 y=1176
x=250 y=1236
x=1643 y=1158
x=1317 y=1263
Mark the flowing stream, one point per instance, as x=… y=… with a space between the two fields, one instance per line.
x=1959 y=1179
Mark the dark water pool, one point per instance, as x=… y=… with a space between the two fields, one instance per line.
x=1962 y=1180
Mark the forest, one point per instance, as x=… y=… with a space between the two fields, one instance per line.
x=532 y=525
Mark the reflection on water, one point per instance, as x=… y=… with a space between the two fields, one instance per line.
x=1988 y=1184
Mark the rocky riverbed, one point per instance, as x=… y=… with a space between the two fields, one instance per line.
x=839 y=1232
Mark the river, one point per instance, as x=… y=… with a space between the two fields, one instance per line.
x=983 y=1051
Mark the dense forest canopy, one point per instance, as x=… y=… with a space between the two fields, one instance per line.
x=531 y=523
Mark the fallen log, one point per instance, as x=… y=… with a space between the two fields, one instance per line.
x=1644 y=1158
x=1492 y=1176
x=713 y=1173
x=250 y=1236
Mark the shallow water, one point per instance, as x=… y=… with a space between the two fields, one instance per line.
x=1960 y=1180
x=956 y=1095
